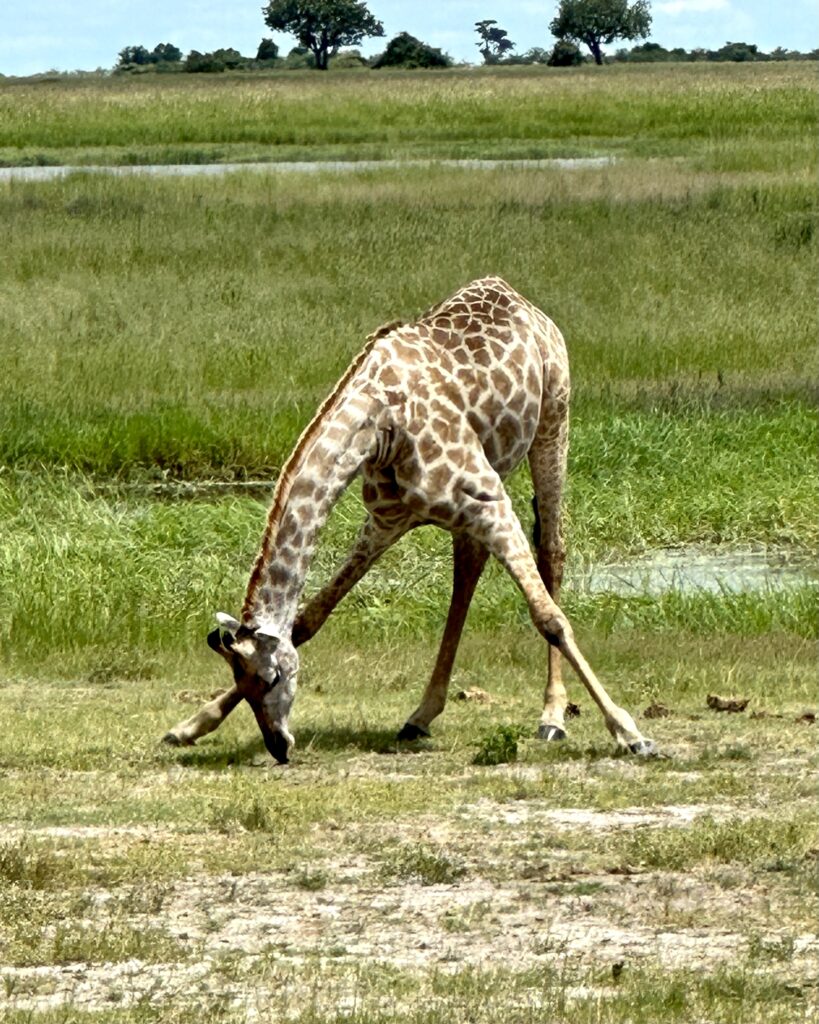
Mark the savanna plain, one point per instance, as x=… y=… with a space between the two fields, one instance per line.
x=165 y=339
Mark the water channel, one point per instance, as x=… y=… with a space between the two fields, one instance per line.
x=49 y=173
x=688 y=569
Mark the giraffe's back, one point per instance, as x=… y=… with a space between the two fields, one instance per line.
x=485 y=357
x=465 y=384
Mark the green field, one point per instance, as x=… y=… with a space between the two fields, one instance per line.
x=164 y=341
x=725 y=117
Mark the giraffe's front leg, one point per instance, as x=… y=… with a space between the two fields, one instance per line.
x=206 y=719
x=469 y=558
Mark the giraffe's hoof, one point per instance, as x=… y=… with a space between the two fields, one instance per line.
x=644 y=748
x=550 y=732
x=172 y=740
x=410 y=731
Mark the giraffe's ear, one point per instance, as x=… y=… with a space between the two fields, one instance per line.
x=227 y=621
x=223 y=637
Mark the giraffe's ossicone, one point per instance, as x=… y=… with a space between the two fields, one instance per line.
x=433 y=414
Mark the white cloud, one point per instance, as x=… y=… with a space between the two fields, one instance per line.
x=674 y=7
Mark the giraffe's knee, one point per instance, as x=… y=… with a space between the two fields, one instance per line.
x=555 y=629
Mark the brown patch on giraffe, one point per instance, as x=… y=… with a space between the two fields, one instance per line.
x=429 y=448
x=408 y=354
x=482 y=357
x=389 y=376
x=440 y=478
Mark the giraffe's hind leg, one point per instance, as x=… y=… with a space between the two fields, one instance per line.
x=493 y=523
x=469 y=558
x=547 y=462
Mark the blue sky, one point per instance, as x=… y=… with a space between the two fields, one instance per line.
x=38 y=35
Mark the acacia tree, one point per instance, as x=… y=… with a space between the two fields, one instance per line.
x=323 y=26
x=494 y=41
x=600 y=22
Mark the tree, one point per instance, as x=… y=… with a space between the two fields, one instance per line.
x=736 y=51
x=494 y=41
x=164 y=53
x=133 y=55
x=405 y=51
x=598 y=22
x=535 y=55
x=203 y=62
x=323 y=26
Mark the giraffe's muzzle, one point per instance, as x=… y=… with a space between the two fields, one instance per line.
x=277 y=745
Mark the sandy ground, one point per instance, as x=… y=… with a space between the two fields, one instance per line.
x=509 y=908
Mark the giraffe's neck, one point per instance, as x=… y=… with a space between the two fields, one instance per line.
x=329 y=453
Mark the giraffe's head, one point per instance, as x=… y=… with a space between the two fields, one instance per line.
x=265 y=669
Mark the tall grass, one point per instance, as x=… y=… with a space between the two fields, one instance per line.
x=193 y=326
x=730 y=117
x=108 y=586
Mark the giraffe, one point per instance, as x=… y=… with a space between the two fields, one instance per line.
x=433 y=414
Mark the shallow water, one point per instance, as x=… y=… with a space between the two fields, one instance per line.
x=298 y=167
x=698 y=569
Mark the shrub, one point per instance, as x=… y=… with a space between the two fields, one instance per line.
x=564 y=55
x=405 y=51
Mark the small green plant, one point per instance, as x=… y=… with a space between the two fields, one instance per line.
x=254 y=818
x=773 y=949
x=312 y=881
x=500 y=746
x=24 y=863
x=420 y=863
x=463 y=919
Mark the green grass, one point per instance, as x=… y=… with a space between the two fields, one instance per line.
x=379 y=996
x=131 y=345
x=136 y=357
x=727 y=118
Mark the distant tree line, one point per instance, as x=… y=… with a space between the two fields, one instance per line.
x=403 y=50
x=323 y=27
x=739 y=52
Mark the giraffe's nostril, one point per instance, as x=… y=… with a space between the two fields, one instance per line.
x=277 y=745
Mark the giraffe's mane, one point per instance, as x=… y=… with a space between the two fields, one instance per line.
x=294 y=462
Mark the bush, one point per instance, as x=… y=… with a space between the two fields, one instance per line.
x=564 y=55
x=348 y=59
x=219 y=60
x=202 y=62
x=405 y=51
x=300 y=57
x=267 y=50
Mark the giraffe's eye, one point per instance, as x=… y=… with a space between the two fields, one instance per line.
x=270 y=680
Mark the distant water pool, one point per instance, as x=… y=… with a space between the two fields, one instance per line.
x=690 y=569
x=297 y=167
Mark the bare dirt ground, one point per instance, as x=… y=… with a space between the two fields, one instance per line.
x=520 y=891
